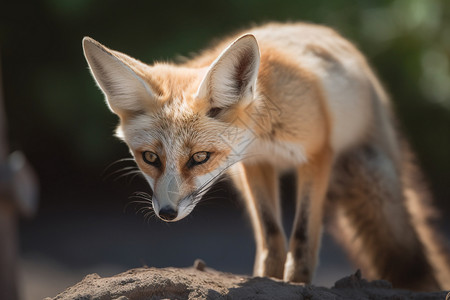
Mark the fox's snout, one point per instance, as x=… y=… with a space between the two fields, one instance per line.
x=171 y=198
x=172 y=212
x=165 y=210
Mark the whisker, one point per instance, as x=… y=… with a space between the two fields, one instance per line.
x=144 y=199
x=205 y=186
x=120 y=170
x=126 y=174
x=149 y=215
x=202 y=200
x=144 y=202
x=142 y=194
x=116 y=162
x=134 y=176
x=209 y=198
x=143 y=209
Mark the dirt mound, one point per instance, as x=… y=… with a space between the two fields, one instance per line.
x=200 y=282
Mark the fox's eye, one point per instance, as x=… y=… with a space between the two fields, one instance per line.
x=198 y=158
x=151 y=158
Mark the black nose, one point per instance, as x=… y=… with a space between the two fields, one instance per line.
x=167 y=213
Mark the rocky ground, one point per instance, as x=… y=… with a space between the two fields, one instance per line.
x=200 y=282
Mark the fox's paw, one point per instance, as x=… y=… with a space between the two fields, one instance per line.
x=270 y=264
x=296 y=271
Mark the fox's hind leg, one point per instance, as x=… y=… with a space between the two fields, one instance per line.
x=371 y=220
x=259 y=187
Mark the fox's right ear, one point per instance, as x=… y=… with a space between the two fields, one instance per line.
x=232 y=76
x=119 y=76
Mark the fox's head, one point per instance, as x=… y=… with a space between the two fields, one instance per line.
x=184 y=126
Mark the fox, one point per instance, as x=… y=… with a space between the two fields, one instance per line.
x=281 y=97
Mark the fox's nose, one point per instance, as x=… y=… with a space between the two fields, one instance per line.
x=167 y=213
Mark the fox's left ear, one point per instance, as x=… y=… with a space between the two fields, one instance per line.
x=119 y=76
x=232 y=76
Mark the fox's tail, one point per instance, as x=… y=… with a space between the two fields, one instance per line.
x=424 y=218
x=381 y=210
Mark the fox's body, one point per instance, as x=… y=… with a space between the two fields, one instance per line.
x=293 y=96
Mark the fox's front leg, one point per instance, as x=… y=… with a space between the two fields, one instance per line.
x=312 y=184
x=259 y=187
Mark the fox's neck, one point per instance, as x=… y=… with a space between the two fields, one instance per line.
x=263 y=115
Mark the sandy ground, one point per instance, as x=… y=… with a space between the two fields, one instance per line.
x=41 y=277
x=199 y=282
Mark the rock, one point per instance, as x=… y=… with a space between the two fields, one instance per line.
x=199 y=265
x=356 y=281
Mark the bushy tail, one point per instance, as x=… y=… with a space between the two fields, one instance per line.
x=424 y=218
x=371 y=220
x=381 y=210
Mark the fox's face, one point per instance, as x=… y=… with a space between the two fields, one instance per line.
x=181 y=151
x=184 y=126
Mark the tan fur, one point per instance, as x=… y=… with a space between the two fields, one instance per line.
x=259 y=185
x=281 y=96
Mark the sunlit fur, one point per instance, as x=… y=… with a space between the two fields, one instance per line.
x=277 y=97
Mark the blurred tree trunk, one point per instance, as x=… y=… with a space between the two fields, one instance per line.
x=8 y=218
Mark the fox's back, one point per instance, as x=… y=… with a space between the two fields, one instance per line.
x=315 y=78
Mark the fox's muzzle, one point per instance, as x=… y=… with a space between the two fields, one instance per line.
x=169 y=202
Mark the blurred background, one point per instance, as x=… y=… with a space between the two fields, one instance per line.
x=86 y=221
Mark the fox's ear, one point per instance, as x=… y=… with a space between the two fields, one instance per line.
x=119 y=77
x=232 y=76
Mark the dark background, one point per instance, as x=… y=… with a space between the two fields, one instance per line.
x=58 y=117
